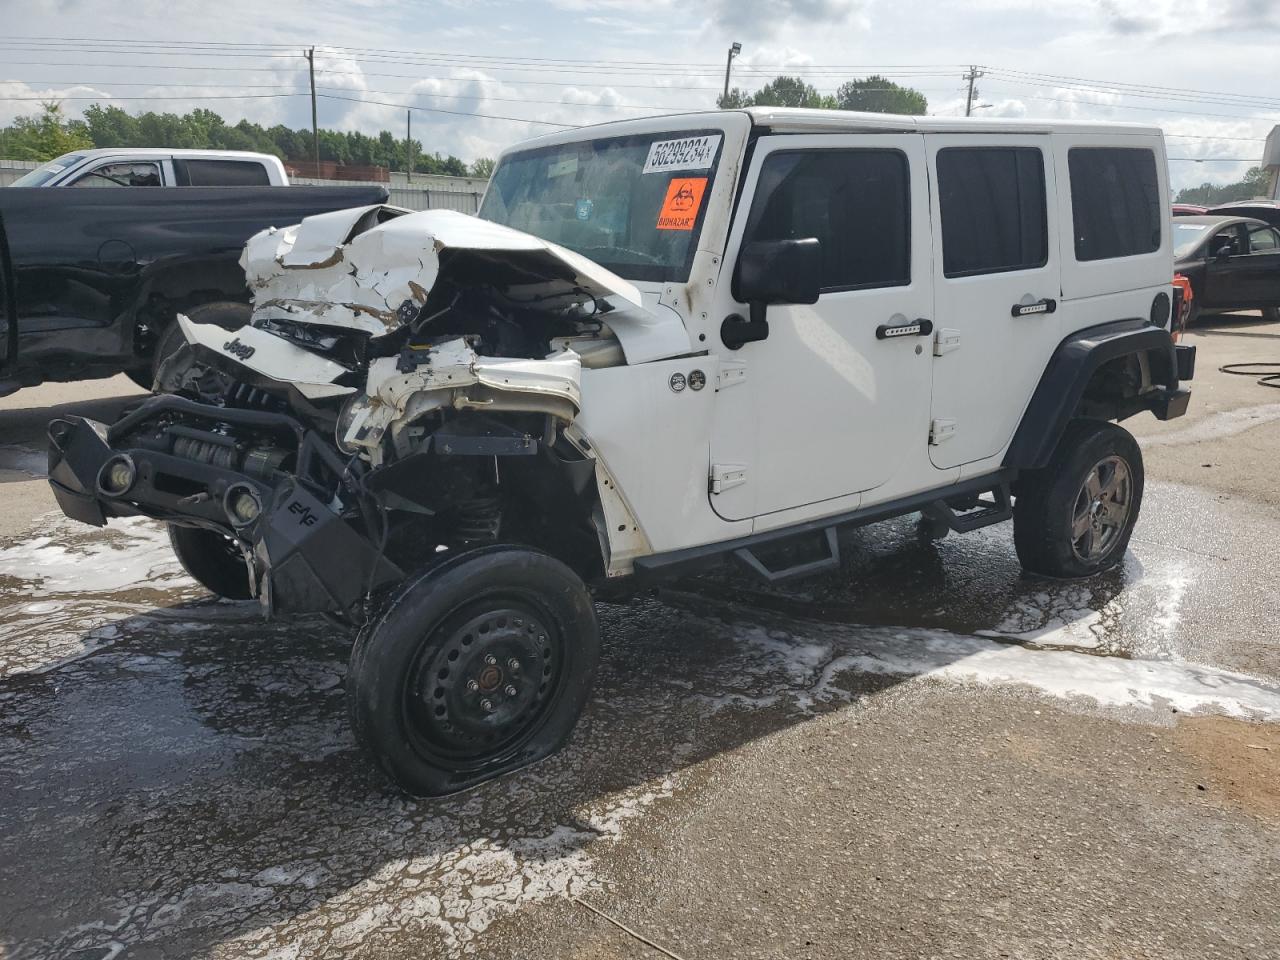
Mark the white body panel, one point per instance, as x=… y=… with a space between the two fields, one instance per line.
x=93 y=159
x=985 y=380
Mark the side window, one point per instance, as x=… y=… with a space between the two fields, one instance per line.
x=856 y=202
x=1115 y=202
x=220 y=173
x=121 y=175
x=993 y=210
x=1264 y=240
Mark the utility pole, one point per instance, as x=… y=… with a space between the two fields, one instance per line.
x=973 y=74
x=408 y=145
x=728 y=65
x=315 y=130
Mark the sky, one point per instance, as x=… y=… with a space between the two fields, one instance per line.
x=488 y=73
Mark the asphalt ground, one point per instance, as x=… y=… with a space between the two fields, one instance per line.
x=926 y=754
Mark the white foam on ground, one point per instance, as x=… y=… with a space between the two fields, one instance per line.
x=1218 y=426
x=70 y=557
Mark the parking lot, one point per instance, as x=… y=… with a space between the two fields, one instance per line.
x=926 y=754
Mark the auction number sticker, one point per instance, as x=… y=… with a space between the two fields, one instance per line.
x=682 y=203
x=691 y=153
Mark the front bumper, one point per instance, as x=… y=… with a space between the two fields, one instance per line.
x=305 y=556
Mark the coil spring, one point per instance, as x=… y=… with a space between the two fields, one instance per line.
x=244 y=397
x=477 y=520
x=205 y=451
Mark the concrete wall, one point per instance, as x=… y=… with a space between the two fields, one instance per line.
x=423 y=193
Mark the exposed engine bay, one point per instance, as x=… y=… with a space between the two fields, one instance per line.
x=408 y=383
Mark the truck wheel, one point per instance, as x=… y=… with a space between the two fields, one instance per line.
x=213 y=561
x=1074 y=517
x=477 y=667
x=228 y=314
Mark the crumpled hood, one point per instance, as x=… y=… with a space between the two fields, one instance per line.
x=371 y=268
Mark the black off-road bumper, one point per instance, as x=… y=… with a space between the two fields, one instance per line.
x=305 y=556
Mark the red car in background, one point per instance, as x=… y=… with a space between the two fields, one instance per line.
x=1189 y=210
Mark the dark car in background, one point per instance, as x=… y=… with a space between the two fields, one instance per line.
x=92 y=280
x=1267 y=211
x=1233 y=263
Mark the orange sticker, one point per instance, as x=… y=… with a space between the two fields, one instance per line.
x=684 y=200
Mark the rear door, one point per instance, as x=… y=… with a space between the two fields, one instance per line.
x=8 y=314
x=996 y=280
x=1260 y=280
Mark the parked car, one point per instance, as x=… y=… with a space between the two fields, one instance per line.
x=666 y=342
x=136 y=167
x=1233 y=263
x=92 y=279
x=1189 y=210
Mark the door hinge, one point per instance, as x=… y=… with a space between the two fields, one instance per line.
x=732 y=372
x=941 y=430
x=945 y=340
x=726 y=476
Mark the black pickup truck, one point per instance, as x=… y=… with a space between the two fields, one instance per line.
x=90 y=280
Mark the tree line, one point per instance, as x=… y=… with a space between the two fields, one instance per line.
x=50 y=134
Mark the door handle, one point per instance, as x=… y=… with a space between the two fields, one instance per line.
x=1047 y=305
x=901 y=327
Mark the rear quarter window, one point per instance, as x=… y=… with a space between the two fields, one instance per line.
x=220 y=173
x=1115 y=202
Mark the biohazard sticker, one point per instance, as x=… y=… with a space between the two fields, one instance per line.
x=684 y=200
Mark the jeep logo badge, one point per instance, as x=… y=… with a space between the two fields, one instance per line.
x=697 y=379
x=241 y=351
x=677 y=382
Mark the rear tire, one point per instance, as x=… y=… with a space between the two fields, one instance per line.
x=477 y=667
x=1271 y=314
x=1074 y=517
x=213 y=560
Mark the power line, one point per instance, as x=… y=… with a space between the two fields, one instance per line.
x=456 y=113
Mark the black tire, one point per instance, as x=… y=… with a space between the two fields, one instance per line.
x=475 y=668
x=1064 y=528
x=228 y=314
x=214 y=561
x=1271 y=314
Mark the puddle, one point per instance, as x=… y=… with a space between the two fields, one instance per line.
x=21 y=463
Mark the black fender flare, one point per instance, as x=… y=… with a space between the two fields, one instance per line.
x=1068 y=372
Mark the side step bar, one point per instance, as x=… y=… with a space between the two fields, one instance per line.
x=830 y=562
x=974 y=512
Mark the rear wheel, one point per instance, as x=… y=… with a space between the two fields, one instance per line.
x=1271 y=314
x=213 y=560
x=477 y=667
x=1074 y=517
x=229 y=314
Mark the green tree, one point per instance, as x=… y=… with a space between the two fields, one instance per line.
x=877 y=94
x=778 y=92
x=482 y=168
x=1256 y=183
x=45 y=136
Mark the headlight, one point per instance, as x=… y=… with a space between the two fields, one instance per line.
x=116 y=476
x=242 y=506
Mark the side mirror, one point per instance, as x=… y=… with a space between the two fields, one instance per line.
x=771 y=271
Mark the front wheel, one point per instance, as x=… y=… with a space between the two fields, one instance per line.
x=213 y=560
x=477 y=667
x=1074 y=517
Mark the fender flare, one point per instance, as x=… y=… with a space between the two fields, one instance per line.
x=1069 y=371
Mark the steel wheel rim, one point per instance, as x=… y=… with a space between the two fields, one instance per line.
x=1102 y=507
x=482 y=682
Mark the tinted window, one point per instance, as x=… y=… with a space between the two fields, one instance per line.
x=1115 y=202
x=1263 y=240
x=221 y=173
x=139 y=174
x=993 y=210
x=856 y=202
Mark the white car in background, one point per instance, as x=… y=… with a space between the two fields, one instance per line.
x=138 y=167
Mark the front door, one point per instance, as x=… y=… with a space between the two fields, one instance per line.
x=997 y=283
x=1250 y=277
x=828 y=405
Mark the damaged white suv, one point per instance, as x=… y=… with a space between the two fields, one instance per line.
x=662 y=343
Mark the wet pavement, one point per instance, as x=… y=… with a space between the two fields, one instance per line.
x=178 y=778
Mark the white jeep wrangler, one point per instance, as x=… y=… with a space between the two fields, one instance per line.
x=662 y=343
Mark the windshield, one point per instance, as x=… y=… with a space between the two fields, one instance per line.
x=1186 y=236
x=632 y=204
x=42 y=175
